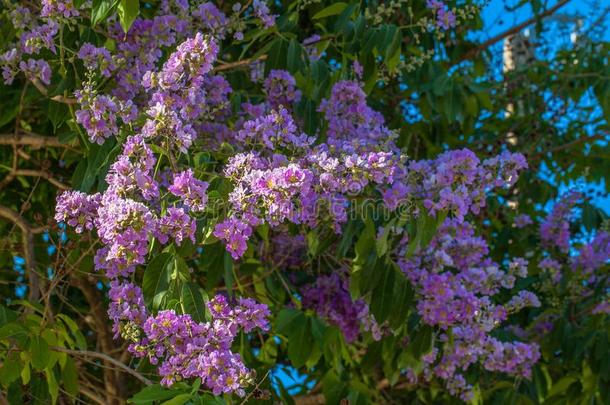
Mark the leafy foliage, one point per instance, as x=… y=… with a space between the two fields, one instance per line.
x=352 y=308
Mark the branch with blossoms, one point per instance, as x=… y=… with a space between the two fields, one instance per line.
x=220 y=226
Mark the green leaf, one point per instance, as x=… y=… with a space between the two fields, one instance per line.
x=69 y=376
x=11 y=368
x=213 y=266
x=561 y=386
x=423 y=341
x=178 y=399
x=344 y=17
x=128 y=12
x=81 y=342
x=333 y=388
x=52 y=384
x=426 y=227
x=156 y=279
x=286 y=318
x=155 y=393
x=39 y=350
x=381 y=244
x=208 y=399
x=11 y=330
x=192 y=301
x=276 y=58
x=391 y=297
x=300 y=342
x=365 y=244
x=294 y=60
x=228 y=268
x=101 y=9
x=6 y=315
x=356 y=397
x=56 y=113
x=402 y=297
x=334 y=9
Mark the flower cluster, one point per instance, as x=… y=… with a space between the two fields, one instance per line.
x=456 y=181
x=77 y=209
x=445 y=18
x=235 y=234
x=184 y=348
x=280 y=89
x=275 y=130
x=456 y=282
x=130 y=213
x=329 y=296
x=191 y=190
x=163 y=99
x=586 y=263
x=58 y=8
x=96 y=58
x=555 y=229
x=99 y=114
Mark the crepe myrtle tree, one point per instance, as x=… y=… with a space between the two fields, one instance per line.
x=200 y=198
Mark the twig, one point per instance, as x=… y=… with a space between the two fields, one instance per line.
x=91 y=395
x=239 y=63
x=102 y=356
x=255 y=388
x=60 y=99
x=568 y=145
x=43 y=174
x=31 y=139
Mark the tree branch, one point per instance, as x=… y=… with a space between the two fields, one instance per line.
x=43 y=174
x=27 y=233
x=31 y=139
x=106 y=358
x=91 y=395
x=474 y=52
x=239 y=63
x=584 y=139
x=43 y=90
x=112 y=380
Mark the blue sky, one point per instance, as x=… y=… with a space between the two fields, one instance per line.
x=497 y=18
x=501 y=15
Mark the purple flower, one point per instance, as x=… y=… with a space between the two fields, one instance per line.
x=329 y=296
x=261 y=10
x=36 y=69
x=358 y=70
x=274 y=130
x=235 y=234
x=555 y=229
x=191 y=61
x=280 y=88
x=251 y=315
x=184 y=348
x=98 y=115
x=126 y=306
x=58 y=9
x=96 y=58
x=77 y=209
x=445 y=18
x=9 y=61
x=311 y=48
x=523 y=220
x=212 y=18
x=177 y=224
x=131 y=173
x=39 y=38
x=191 y=190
